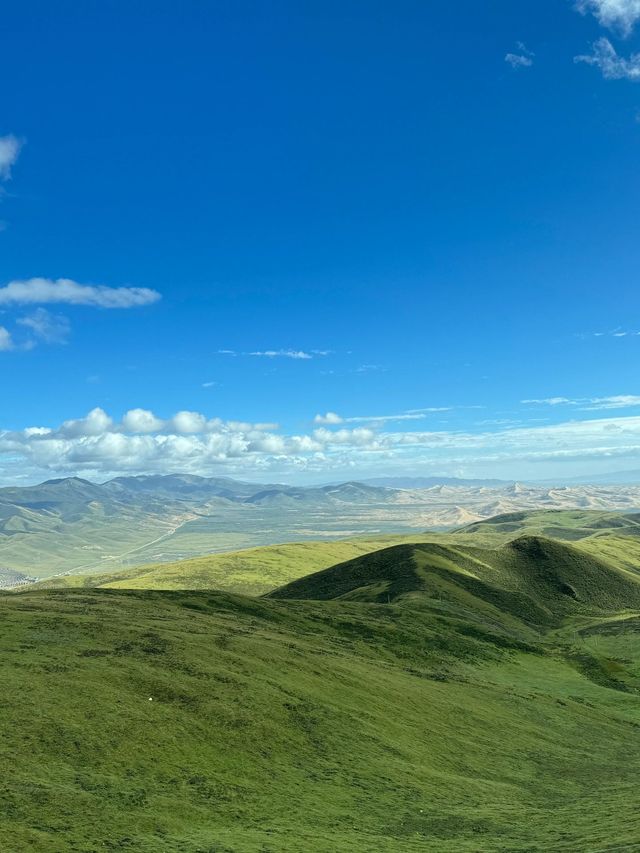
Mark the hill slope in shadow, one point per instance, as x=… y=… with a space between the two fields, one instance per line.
x=535 y=579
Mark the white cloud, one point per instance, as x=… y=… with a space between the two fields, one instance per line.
x=368 y=368
x=141 y=421
x=296 y=354
x=405 y=416
x=95 y=423
x=283 y=353
x=434 y=409
x=358 y=437
x=41 y=291
x=621 y=401
x=331 y=418
x=9 y=152
x=99 y=446
x=612 y=66
x=548 y=401
x=618 y=401
x=620 y=15
x=142 y=443
x=517 y=60
x=6 y=341
x=328 y=418
x=47 y=327
x=522 y=59
x=617 y=333
x=188 y=423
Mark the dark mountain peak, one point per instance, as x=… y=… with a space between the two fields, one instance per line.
x=69 y=482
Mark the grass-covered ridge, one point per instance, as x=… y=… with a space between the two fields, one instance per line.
x=537 y=580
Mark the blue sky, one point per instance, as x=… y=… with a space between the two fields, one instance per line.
x=411 y=216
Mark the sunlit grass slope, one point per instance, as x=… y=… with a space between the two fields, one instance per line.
x=255 y=571
x=446 y=720
x=252 y=571
x=569 y=524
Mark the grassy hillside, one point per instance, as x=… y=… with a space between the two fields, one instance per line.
x=420 y=698
x=536 y=580
x=252 y=571
x=569 y=524
x=460 y=693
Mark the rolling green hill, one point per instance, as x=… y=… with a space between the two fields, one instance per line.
x=429 y=697
x=560 y=524
x=536 y=580
x=252 y=571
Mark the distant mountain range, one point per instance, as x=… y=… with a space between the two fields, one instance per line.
x=73 y=525
x=429 y=482
x=611 y=478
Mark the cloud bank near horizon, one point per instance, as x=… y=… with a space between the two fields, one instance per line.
x=99 y=446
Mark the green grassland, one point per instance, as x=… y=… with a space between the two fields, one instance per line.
x=252 y=571
x=472 y=692
x=255 y=571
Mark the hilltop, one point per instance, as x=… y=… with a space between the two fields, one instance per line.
x=532 y=579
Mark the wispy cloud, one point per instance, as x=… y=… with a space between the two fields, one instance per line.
x=295 y=354
x=6 y=340
x=622 y=401
x=518 y=61
x=611 y=65
x=620 y=15
x=47 y=327
x=299 y=355
x=369 y=368
x=590 y=404
x=548 y=401
x=41 y=326
x=42 y=291
x=616 y=333
x=9 y=152
x=332 y=418
x=522 y=59
x=432 y=409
